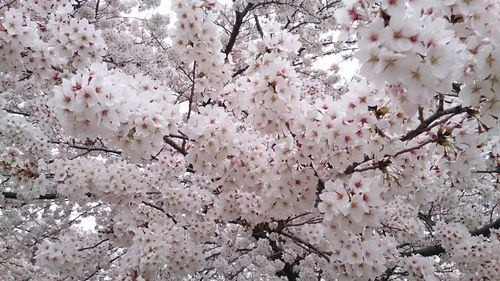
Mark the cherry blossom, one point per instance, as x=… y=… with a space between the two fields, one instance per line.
x=222 y=140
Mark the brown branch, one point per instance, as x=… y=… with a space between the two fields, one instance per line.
x=236 y=28
x=437 y=249
x=88 y=149
x=99 y=268
x=190 y=101
x=424 y=143
x=306 y=244
x=260 y=232
x=352 y=168
x=8 y=4
x=486 y=229
x=52 y=196
x=182 y=137
x=385 y=162
x=93 y=273
x=91 y=149
x=319 y=188
x=387 y=274
x=97 y=10
x=16 y=112
x=191 y=96
x=174 y=145
x=47 y=196
x=93 y=246
x=495 y=171
x=5 y=180
x=257 y=25
x=13 y=195
x=160 y=209
x=427 y=123
x=157 y=41
x=427 y=219
x=239 y=71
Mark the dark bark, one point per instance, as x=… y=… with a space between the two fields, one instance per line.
x=236 y=28
x=260 y=232
x=437 y=249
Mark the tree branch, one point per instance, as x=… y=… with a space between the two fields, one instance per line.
x=174 y=145
x=93 y=246
x=97 y=10
x=426 y=123
x=160 y=209
x=16 y=112
x=236 y=28
x=48 y=196
x=437 y=249
x=192 y=91
x=257 y=25
x=89 y=149
x=13 y=195
x=306 y=244
x=7 y=4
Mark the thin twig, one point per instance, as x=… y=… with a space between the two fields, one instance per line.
x=191 y=96
x=8 y=4
x=17 y=112
x=93 y=246
x=160 y=209
x=307 y=244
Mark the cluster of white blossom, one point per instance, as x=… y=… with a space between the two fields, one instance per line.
x=402 y=222
x=80 y=257
x=418 y=49
x=271 y=93
x=420 y=268
x=196 y=41
x=217 y=150
x=475 y=255
x=47 y=42
x=25 y=148
x=147 y=254
x=356 y=201
x=77 y=40
x=135 y=113
x=149 y=4
x=18 y=32
x=158 y=25
x=102 y=181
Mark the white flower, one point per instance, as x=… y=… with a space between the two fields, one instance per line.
x=13 y=22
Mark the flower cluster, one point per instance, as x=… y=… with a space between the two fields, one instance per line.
x=38 y=40
x=364 y=258
x=135 y=113
x=157 y=25
x=219 y=150
x=357 y=200
x=196 y=41
x=420 y=268
x=78 y=40
x=80 y=257
x=475 y=255
x=271 y=93
x=147 y=253
x=25 y=147
x=17 y=33
x=401 y=220
x=102 y=182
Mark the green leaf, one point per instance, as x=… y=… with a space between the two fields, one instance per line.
x=131 y=133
